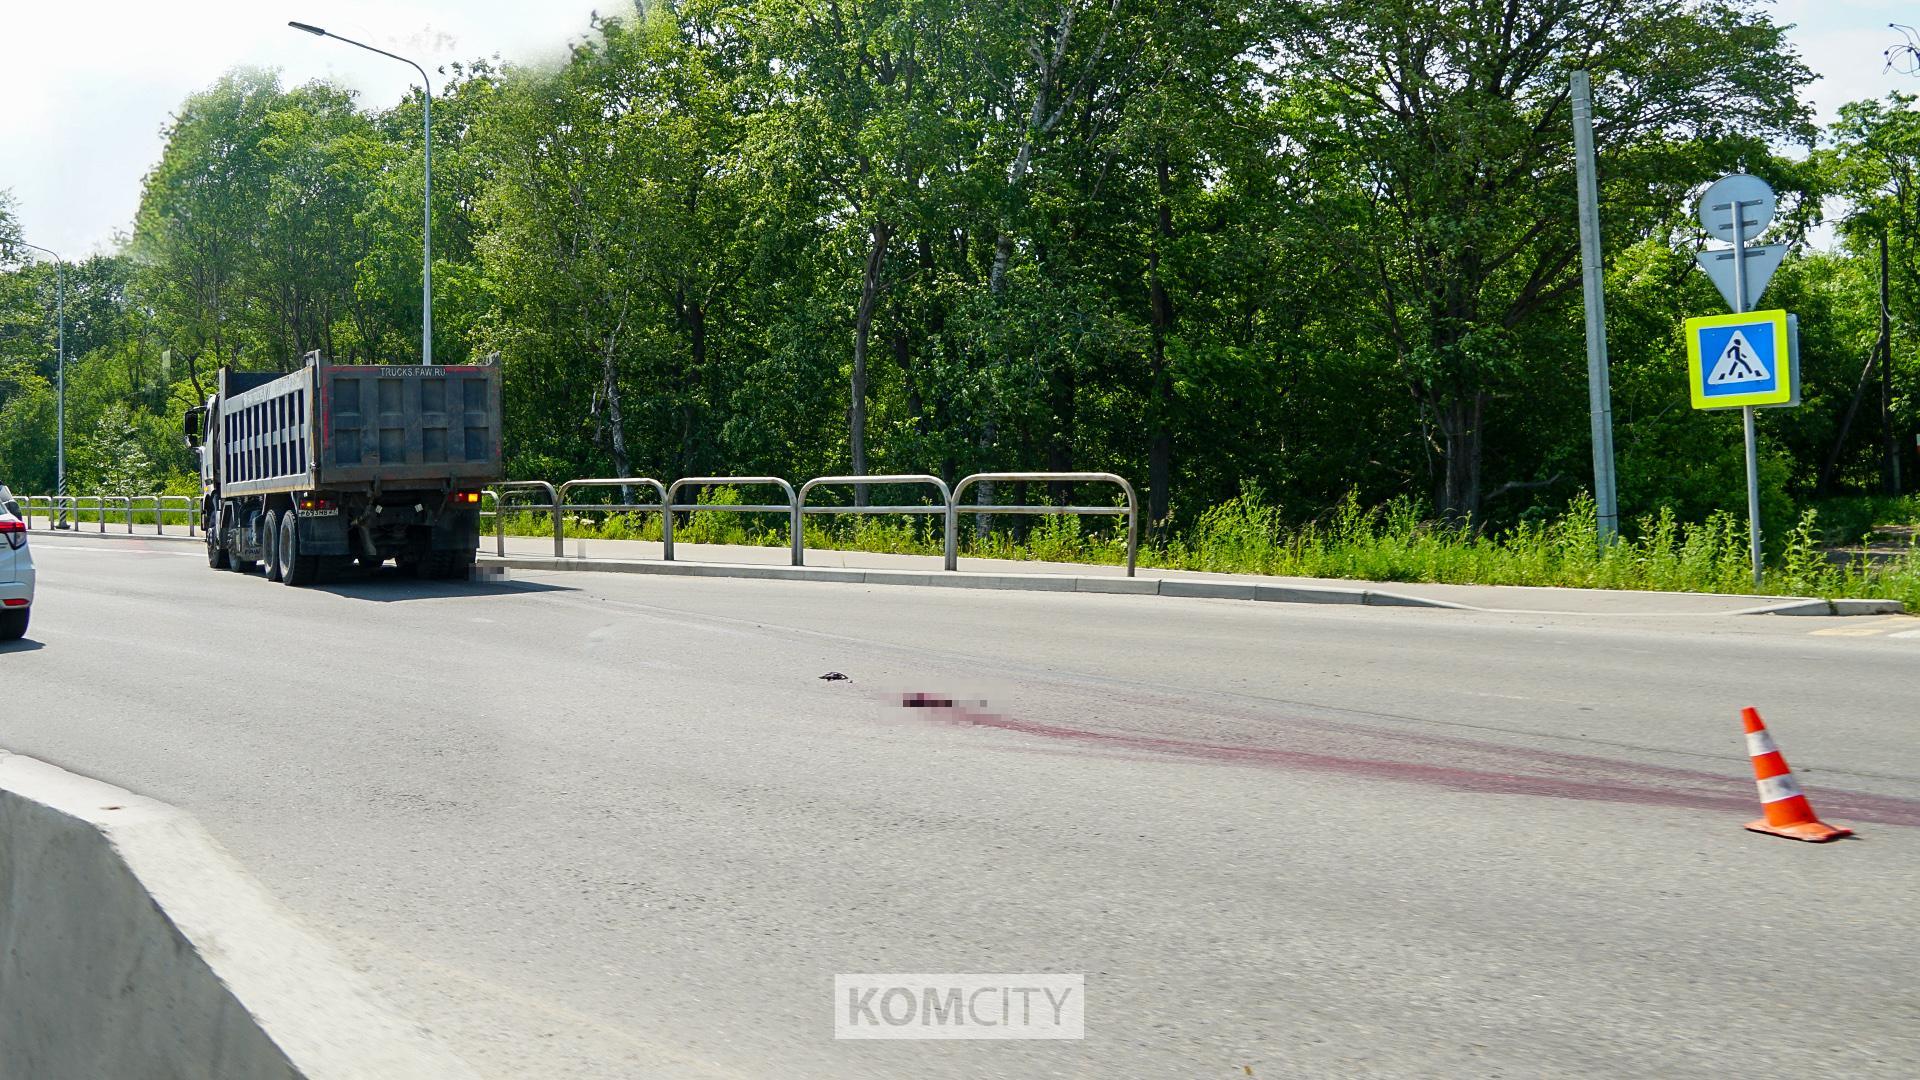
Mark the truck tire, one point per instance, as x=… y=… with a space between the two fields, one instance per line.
x=270 y=547
x=216 y=552
x=447 y=565
x=295 y=568
x=13 y=624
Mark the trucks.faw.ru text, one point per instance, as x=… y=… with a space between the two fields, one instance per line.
x=307 y=472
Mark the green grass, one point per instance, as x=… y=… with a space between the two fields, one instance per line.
x=1395 y=542
x=1850 y=519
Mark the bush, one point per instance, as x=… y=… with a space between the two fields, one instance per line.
x=1393 y=542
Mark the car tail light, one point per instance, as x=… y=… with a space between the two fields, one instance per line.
x=15 y=531
x=14 y=603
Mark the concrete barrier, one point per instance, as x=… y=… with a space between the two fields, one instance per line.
x=132 y=946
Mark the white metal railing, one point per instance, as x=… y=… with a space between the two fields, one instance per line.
x=622 y=482
x=949 y=508
x=505 y=490
x=64 y=511
x=946 y=501
x=791 y=509
x=1132 y=512
x=60 y=509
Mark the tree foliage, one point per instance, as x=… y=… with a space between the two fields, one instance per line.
x=1305 y=248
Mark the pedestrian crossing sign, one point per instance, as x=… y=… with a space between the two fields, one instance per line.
x=1743 y=359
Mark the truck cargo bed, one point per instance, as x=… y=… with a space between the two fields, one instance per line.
x=338 y=427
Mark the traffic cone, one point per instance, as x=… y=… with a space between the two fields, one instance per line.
x=1787 y=811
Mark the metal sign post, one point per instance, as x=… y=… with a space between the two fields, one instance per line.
x=1746 y=411
x=1736 y=208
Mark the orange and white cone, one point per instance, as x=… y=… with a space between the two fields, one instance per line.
x=1787 y=811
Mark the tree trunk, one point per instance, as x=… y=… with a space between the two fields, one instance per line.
x=903 y=358
x=881 y=234
x=1062 y=391
x=1160 y=447
x=1039 y=123
x=610 y=386
x=1460 y=419
x=694 y=318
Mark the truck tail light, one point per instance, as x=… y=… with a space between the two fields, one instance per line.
x=466 y=498
x=15 y=531
x=315 y=504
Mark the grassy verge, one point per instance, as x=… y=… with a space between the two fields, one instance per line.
x=1390 y=543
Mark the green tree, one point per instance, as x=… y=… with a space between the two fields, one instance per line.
x=1451 y=118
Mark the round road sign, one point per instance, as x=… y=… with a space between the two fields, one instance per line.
x=1755 y=200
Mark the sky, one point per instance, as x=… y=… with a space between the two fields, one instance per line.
x=86 y=86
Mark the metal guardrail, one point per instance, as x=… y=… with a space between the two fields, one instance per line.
x=659 y=507
x=61 y=508
x=792 y=509
x=502 y=490
x=955 y=508
x=190 y=509
x=946 y=501
x=66 y=509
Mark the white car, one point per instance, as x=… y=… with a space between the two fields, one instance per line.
x=16 y=570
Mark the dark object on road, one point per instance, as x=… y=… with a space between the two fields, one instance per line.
x=309 y=471
x=834 y=676
x=925 y=701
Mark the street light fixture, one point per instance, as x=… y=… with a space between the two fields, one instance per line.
x=60 y=380
x=426 y=236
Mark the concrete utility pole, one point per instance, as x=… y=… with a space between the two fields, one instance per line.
x=1599 y=387
x=1891 y=477
x=426 y=235
x=60 y=382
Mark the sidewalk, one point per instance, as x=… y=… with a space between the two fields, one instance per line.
x=727 y=560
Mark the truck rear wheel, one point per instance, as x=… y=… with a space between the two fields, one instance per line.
x=270 y=546
x=446 y=565
x=295 y=568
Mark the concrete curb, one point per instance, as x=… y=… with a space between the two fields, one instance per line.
x=89 y=534
x=132 y=945
x=1187 y=587
x=1828 y=607
x=1202 y=589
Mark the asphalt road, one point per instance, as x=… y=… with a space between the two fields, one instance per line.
x=591 y=825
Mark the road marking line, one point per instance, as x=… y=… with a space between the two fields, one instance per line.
x=122 y=549
x=1871 y=629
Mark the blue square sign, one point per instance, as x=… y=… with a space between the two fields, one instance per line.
x=1738 y=360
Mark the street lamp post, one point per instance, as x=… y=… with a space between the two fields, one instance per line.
x=60 y=381
x=426 y=236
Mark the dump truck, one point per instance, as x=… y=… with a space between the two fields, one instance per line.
x=306 y=473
